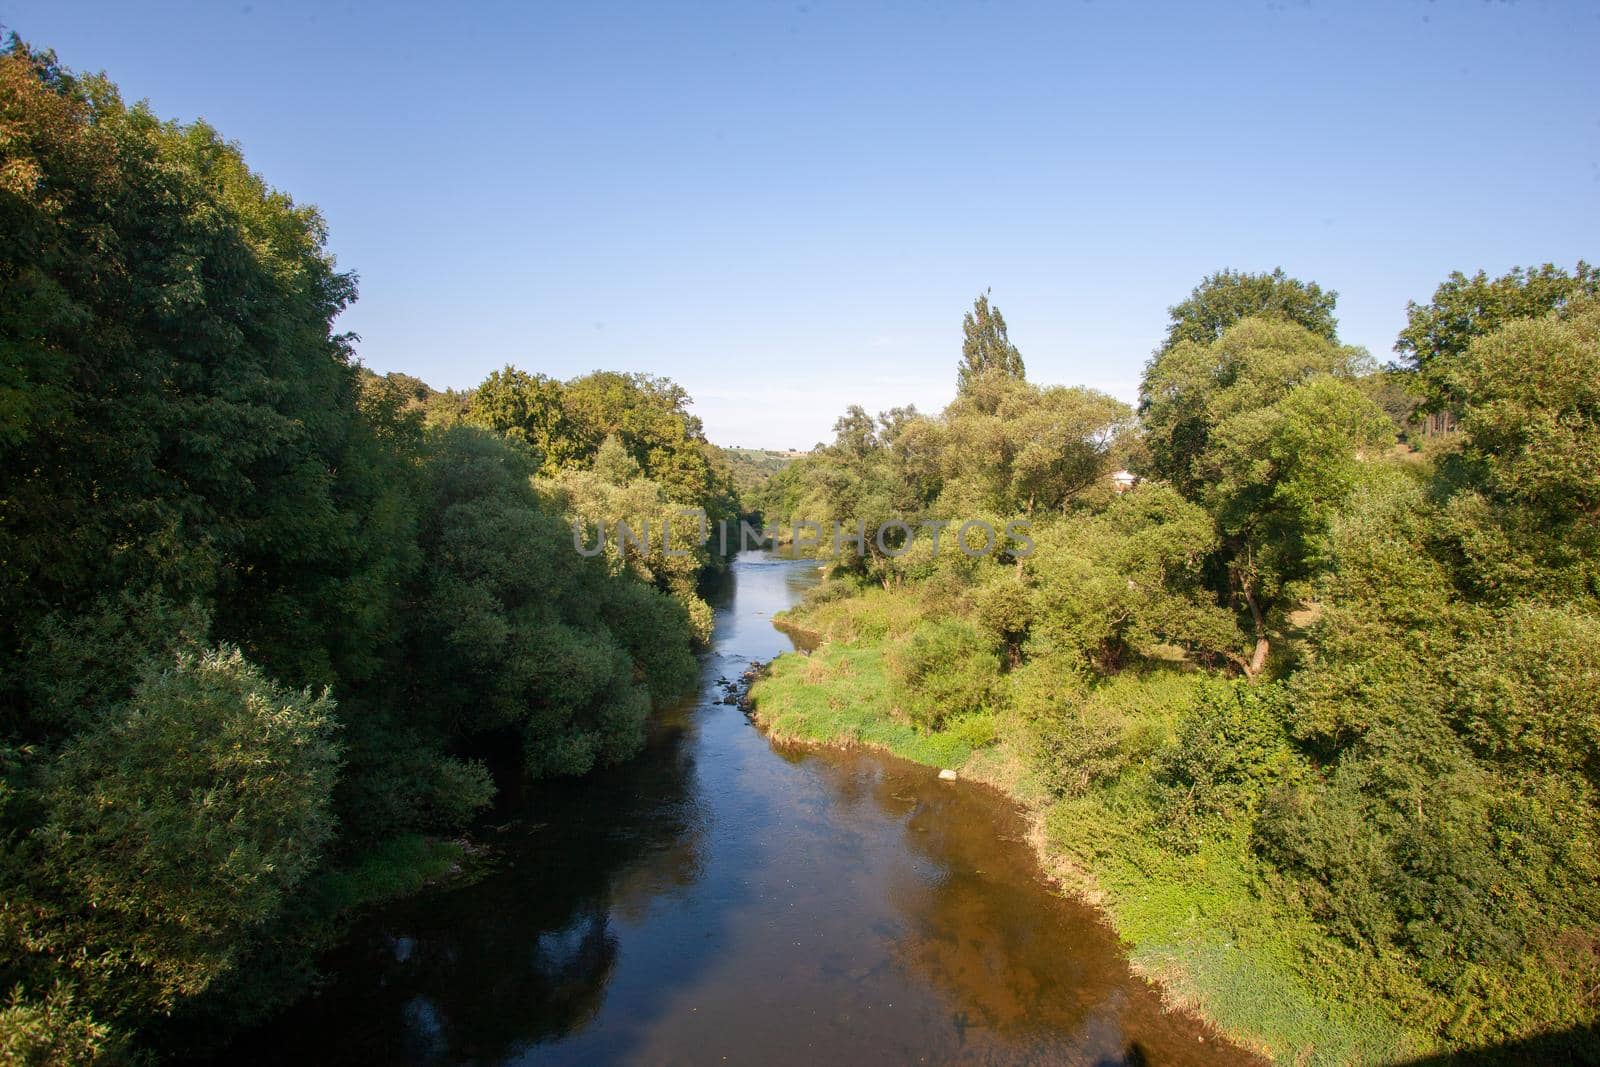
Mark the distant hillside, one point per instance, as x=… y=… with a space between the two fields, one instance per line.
x=753 y=466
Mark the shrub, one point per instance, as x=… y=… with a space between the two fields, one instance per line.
x=1413 y=851
x=1530 y=694
x=177 y=827
x=1069 y=749
x=1230 y=748
x=461 y=789
x=53 y=1029
x=1004 y=609
x=976 y=729
x=941 y=670
x=77 y=666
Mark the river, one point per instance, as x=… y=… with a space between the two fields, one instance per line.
x=723 y=899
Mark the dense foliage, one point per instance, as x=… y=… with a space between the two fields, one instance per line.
x=1316 y=710
x=266 y=617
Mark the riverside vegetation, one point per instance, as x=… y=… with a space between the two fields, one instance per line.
x=1314 y=709
x=273 y=626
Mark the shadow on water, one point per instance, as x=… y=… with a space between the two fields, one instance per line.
x=717 y=898
x=524 y=956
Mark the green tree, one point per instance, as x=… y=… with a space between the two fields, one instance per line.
x=1265 y=429
x=855 y=433
x=530 y=411
x=985 y=346
x=1463 y=308
x=1123 y=583
x=613 y=463
x=1014 y=446
x=518 y=632
x=190 y=455
x=564 y=426
x=667 y=547
x=1527 y=516
x=1451 y=830
x=178 y=825
x=1230 y=296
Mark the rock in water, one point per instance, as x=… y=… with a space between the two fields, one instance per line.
x=947 y=775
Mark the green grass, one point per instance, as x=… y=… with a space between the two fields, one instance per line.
x=389 y=871
x=1197 y=923
x=869 y=617
x=839 y=696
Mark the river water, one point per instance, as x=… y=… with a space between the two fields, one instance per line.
x=723 y=899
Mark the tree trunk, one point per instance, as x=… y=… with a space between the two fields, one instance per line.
x=1258 y=659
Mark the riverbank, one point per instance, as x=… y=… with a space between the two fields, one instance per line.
x=720 y=896
x=1195 y=923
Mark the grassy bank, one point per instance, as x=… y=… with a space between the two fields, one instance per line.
x=1195 y=919
x=397 y=868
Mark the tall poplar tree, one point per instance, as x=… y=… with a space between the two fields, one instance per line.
x=985 y=346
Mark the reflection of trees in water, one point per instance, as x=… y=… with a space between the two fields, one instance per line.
x=977 y=926
x=1005 y=962
x=977 y=923
x=489 y=988
x=520 y=958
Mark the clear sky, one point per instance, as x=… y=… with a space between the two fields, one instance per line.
x=787 y=207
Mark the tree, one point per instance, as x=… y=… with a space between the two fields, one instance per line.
x=1111 y=586
x=650 y=417
x=1014 y=446
x=1229 y=296
x=1438 y=333
x=855 y=434
x=180 y=824
x=516 y=632
x=985 y=347
x=181 y=415
x=529 y=410
x=1527 y=513
x=1533 y=417
x=613 y=464
x=1265 y=429
x=191 y=456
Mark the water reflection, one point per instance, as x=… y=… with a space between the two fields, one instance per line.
x=717 y=899
x=1020 y=972
x=524 y=957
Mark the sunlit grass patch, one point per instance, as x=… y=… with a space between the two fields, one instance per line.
x=870 y=617
x=839 y=695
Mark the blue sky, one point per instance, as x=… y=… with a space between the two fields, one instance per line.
x=787 y=207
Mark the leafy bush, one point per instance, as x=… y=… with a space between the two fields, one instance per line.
x=54 y=1029
x=1068 y=749
x=182 y=823
x=461 y=789
x=1230 y=748
x=518 y=630
x=975 y=729
x=941 y=670
x=78 y=666
x=1004 y=609
x=1529 y=694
